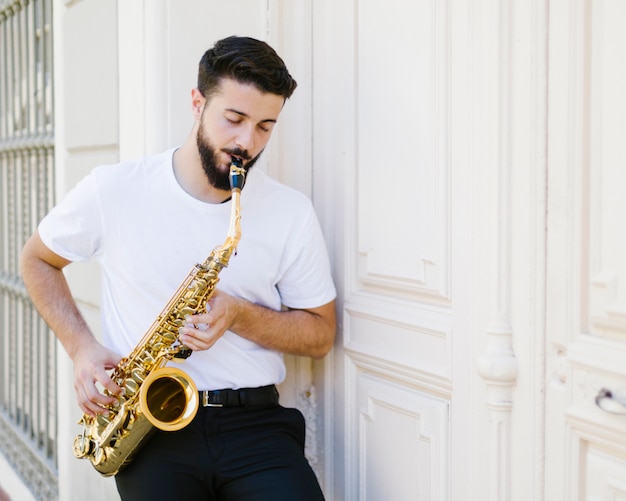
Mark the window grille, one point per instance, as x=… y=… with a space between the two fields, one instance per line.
x=28 y=396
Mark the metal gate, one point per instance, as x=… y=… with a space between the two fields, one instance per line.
x=28 y=397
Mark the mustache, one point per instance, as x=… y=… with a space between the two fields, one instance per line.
x=238 y=152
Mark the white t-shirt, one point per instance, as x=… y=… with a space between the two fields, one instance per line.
x=148 y=233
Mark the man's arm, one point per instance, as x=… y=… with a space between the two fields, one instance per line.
x=42 y=272
x=306 y=332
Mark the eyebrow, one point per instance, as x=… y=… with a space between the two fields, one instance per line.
x=245 y=115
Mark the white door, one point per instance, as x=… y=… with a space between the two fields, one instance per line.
x=381 y=96
x=586 y=293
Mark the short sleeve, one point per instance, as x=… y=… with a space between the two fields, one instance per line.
x=73 y=228
x=306 y=281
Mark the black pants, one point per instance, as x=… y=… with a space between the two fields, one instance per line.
x=228 y=453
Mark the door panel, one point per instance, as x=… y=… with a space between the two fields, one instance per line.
x=400 y=146
x=393 y=467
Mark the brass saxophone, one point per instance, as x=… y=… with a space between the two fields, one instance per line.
x=156 y=396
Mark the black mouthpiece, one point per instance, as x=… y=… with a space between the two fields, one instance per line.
x=237 y=174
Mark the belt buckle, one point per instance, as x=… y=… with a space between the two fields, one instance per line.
x=205 y=400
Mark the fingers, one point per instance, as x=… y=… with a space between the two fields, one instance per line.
x=203 y=330
x=90 y=377
x=90 y=399
x=200 y=335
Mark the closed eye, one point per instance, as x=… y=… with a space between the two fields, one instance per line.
x=233 y=119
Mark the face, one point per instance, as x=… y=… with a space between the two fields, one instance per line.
x=236 y=121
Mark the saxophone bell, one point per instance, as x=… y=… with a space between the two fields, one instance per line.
x=169 y=399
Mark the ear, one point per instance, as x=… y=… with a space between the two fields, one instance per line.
x=197 y=103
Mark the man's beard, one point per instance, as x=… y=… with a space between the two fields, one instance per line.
x=210 y=163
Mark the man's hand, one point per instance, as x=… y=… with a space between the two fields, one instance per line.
x=91 y=364
x=204 y=329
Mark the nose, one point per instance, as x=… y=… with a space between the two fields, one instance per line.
x=245 y=139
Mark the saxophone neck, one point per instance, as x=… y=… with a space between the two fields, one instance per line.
x=237 y=180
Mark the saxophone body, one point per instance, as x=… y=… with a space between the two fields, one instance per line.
x=156 y=396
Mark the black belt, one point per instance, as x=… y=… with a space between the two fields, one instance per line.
x=244 y=397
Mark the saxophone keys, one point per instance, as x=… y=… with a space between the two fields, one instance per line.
x=99 y=456
x=102 y=420
x=192 y=302
x=138 y=375
x=169 y=337
x=130 y=387
x=82 y=446
x=201 y=283
x=187 y=310
x=147 y=359
x=157 y=348
x=178 y=321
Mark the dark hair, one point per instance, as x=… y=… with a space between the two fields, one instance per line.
x=245 y=60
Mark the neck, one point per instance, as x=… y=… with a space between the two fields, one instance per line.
x=191 y=177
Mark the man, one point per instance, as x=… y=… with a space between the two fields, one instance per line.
x=147 y=222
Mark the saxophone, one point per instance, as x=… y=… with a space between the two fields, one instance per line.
x=155 y=396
